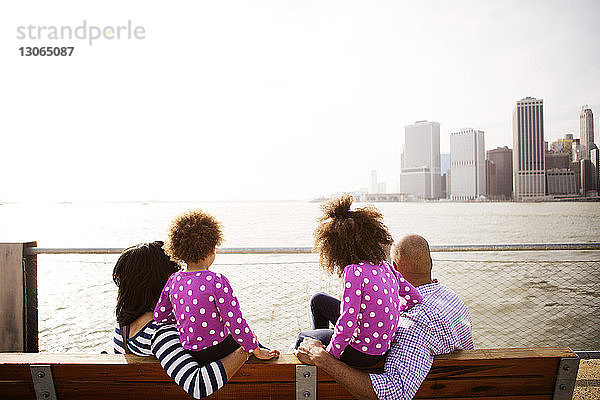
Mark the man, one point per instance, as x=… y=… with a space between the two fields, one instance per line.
x=440 y=324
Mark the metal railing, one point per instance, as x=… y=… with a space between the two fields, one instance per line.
x=516 y=300
x=308 y=250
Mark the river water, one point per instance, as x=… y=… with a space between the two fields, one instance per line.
x=516 y=299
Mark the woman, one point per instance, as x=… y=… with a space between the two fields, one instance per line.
x=140 y=273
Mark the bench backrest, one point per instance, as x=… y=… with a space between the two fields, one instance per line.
x=478 y=374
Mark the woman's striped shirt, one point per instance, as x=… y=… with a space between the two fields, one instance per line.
x=162 y=341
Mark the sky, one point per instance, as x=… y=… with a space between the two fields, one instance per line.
x=273 y=100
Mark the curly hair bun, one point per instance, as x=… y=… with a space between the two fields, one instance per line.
x=346 y=237
x=338 y=207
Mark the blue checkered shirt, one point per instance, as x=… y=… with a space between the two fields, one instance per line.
x=439 y=325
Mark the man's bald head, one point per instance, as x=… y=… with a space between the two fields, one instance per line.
x=411 y=254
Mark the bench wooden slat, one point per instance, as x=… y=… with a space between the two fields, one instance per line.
x=513 y=397
x=84 y=359
x=493 y=368
x=440 y=388
x=134 y=391
x=256 y=390
x=431 y=388
x=477 y=374
x=16 y=389
x=333 y=391
x=513 y=352
x=150 y=371
x=131 y=368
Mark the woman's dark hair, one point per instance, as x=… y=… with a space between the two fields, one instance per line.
x=141 y=273
x=346 y=237
x=193 y=236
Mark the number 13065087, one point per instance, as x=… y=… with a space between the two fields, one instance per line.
x=46 y=51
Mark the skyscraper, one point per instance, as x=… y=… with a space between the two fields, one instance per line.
x=467 y=163
x=586 y=177
x=586 y=131
x=502 y=157
x=373 y=186
x=595 y=161
x=529 y=177
x=420 y=169
x=491 y=185
x=444 y=163
x=444 y=168
x=576 y=154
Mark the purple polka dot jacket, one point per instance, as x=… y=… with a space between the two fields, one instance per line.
x=373 y=299
x=203 y=306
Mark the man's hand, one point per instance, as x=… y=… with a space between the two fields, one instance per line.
x=310 y=351
x=357 y=382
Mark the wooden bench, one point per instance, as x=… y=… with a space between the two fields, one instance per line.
x=532 y=373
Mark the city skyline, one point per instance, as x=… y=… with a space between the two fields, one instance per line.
x=535 y=157
x=539 y=170
x=382 y=186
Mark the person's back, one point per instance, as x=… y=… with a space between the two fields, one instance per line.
x=440 y=324
x=443 y=319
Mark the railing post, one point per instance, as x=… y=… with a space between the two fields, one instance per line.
x=31 y=299
x=18 y=298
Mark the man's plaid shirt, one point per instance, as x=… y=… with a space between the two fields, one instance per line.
x=440 y=324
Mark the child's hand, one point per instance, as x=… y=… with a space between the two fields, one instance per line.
x=265 y=354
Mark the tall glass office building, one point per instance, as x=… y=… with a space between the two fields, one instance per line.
x=467 y=160
x=529 y=175
x=420 y=162
x=586 y=132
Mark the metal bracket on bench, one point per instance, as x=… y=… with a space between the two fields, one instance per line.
x=565 y=378
x=43 y=383
x=306 y=382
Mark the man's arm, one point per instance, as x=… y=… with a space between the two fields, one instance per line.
x=358 y=383
x=407 y=364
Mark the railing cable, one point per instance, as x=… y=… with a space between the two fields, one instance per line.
x=308 y=250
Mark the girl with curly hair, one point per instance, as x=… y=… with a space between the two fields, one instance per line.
x=199 y=301
x=355 y=245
